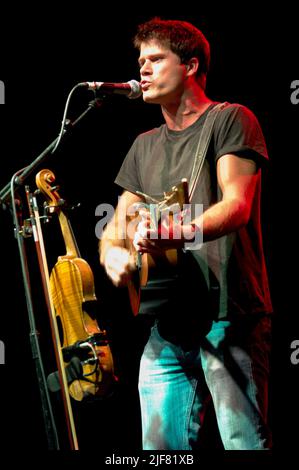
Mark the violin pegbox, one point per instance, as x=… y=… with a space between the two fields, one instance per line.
x=44 y=180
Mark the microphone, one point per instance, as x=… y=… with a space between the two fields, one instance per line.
x=131 y=89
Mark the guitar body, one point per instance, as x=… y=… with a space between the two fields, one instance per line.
x=146 y=263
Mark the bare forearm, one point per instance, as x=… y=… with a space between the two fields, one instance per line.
x=115 y=255
x=222 y=218
x=116 y=232
x=237 y=179
x=110 y=239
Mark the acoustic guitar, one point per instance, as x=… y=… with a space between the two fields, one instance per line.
x=172 y=202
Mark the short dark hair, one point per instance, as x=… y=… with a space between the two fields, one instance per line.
x=182 y=38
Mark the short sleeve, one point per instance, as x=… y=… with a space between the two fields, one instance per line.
x=238 y=131
x=128 y=175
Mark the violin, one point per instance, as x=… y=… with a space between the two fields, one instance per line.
x=73 y=295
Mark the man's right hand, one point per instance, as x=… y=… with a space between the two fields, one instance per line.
x=119 y=264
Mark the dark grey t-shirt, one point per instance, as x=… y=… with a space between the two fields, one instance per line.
x=231 y=268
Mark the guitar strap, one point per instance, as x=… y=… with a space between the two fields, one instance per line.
x=200 y=155
x=203 y=144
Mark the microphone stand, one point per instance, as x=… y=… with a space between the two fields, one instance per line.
x=7 y=199
x=5 y=193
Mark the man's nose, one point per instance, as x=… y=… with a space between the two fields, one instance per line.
x=145 y=69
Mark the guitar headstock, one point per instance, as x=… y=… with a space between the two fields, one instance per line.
x=177 y=195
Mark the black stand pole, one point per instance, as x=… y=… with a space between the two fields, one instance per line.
x=49 y=422
x=7 y=198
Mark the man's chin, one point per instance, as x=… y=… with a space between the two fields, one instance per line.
x=151 y=99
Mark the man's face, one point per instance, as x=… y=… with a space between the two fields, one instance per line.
x=162 y=73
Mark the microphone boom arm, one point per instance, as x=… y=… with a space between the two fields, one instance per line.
x=5 y=193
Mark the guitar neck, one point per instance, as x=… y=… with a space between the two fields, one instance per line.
x=68 y=236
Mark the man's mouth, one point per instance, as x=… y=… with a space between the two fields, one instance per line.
x=145 y=85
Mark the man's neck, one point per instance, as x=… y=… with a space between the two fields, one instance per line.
x=179 y=116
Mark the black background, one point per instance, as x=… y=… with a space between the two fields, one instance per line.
x=46 y=54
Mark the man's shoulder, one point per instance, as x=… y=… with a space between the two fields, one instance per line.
x=231 y=108
x=236 y=112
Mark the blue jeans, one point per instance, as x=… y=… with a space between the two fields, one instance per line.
x=230 y=365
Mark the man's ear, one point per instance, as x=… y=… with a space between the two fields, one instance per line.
x=192 y=66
